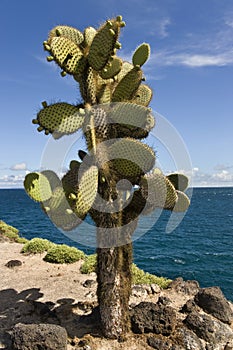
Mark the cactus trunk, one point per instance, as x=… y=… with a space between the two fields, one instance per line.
x=114 y=288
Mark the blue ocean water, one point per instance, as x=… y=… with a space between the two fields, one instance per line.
x=200 y=248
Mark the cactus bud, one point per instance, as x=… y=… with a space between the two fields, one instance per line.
x=81 y=111
x=72 y=196
x=69 y=211
x=47 y=47
x=111 y=31
x=47 y=132
x=109 y=23
x=118 y=45
x=40 y=128
x=119 y=18
x=122 y=24
x=50 y=58
x=35 y=121
x=58 y=32
x=46 y=209
x=63 y=73
x=44 y=104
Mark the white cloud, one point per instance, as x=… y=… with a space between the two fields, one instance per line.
x=163 y=27
x=220 y=178
x=11 y=181
x=19 y=167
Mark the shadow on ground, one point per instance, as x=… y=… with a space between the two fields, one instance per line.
x=24 y=307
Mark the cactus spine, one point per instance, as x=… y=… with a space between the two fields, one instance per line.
x=114 y=117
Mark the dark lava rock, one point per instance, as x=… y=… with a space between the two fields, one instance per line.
x=187 y=339
x=89 y=283
x=190 y=306
x=38 y=337
x=212 y=301
x=185 y=287
x=158 y=344
x=208 y=329
x=13 y=263
x=148 y=317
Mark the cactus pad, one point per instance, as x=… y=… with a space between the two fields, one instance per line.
x=37 y=187
x=112 y=68
x=89 y=34
x=52 y=177
x=87 y=191
x=179 y=181
x=130 y=114
x=60 y=118
x=70 y=33
x=182 y=203
x=67 y=55
x=141 y=54
x=158 y=192
x=127 y=86
x=103 y=44
x=143 y=95
x=131 y=158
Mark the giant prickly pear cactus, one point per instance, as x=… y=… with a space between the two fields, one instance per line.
x=114 y=117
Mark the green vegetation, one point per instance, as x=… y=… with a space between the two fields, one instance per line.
x=141 y=277
x=63 y=254
x=11 y=232
x=89 y=264
x=37 y=245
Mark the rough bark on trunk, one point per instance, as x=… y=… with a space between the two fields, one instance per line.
x=114 y=288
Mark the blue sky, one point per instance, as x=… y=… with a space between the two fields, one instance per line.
x=190 y=71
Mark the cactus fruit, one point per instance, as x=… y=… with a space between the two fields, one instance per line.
x=60 y=118
x=70 y=33
x=37 y=187
x=141 y=55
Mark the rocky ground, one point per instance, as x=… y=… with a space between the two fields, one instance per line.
x=57 y=304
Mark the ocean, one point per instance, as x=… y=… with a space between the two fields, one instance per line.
x=200 y=248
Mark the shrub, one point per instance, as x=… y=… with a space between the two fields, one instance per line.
x=141 y=277
x=89 y=264
x=21 y=240
x=5 y=228
x=11 y=235
x=37 y=245
x=63 y=254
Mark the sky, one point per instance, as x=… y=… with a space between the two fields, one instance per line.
x=190 y=71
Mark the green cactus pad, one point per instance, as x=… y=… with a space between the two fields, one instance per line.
x=125 y=68
x=111 y=69
x=67 y=55
x=130 y=114
x=104 y=94
x=182 y=203
x=52 y=177
x=131 y=158
x=37 y=187
x=158 y=192
x=179 y=181
x=127 y=86
x=103 y=44
x=70 y=33
x=70 y=181
x=143 y=95
x=87 y=85
x=60 y=119
x=60 y=212
x=141 y=54
x=87 y=191
x=89 y=34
